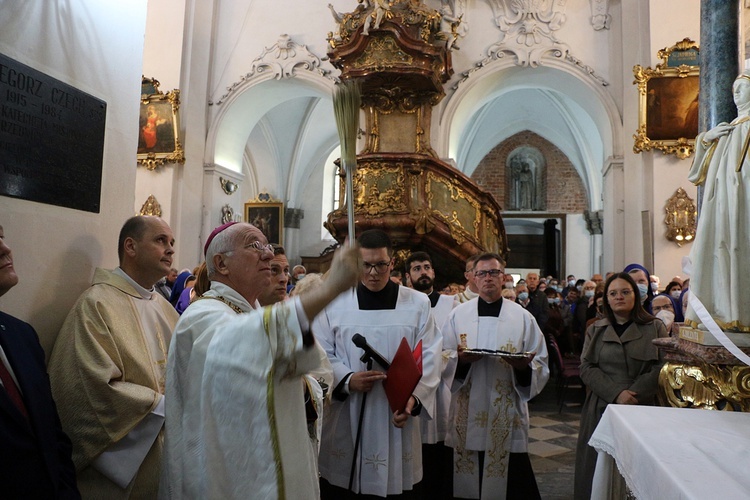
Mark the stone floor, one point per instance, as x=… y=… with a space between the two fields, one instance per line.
x=552 y=440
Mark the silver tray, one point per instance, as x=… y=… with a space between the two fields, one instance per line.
x=498 y=354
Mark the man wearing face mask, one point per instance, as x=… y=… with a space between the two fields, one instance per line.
x=641 y=277
x=665 y=308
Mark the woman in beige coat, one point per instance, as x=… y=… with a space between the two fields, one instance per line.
x=619 y=364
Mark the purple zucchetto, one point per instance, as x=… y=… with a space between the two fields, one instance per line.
x=214 y=233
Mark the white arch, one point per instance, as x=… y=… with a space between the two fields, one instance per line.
x=503 y=75
x=238 y=115
x=582 y=105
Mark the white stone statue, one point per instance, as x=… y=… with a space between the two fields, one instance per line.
x=721 y=251
x=381 y=8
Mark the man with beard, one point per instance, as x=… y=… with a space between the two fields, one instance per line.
x=437 y=459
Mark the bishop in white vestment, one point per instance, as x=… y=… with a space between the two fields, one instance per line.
x=235 y=417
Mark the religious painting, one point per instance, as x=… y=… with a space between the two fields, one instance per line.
x=268 y=216
x=668 y=101
x=159 y=126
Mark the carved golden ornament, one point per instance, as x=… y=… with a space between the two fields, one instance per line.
x=151 y=207
x=378 y=190
x=383 y=53
x=683 y=45
x=460 y=211
x=710 y=387
x=681 y=148
x=680 y=218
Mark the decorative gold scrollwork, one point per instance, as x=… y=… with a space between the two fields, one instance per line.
x=711 y=387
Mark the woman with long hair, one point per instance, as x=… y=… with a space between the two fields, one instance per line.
x=619 y=364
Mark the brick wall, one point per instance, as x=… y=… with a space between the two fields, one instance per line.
x=562 y=187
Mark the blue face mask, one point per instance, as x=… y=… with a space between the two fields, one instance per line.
x=588 y=294
x=523 y=296
x=643 y=290
x=553 y=301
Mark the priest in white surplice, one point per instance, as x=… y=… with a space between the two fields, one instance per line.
x=235 y=417
x=489 y=413
x=389 y=458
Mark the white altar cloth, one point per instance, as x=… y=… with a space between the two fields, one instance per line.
x=673 y=453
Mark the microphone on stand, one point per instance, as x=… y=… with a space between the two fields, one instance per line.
x=370 y=353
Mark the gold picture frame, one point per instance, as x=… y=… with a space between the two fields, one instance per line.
x=159 y=126
x=267 y=215
x=668 y=101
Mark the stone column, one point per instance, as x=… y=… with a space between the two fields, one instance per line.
x=719 y=61
x=719 y=65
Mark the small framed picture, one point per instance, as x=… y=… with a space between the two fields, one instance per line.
x=268 y=216
x=159 y=126
x=668 y=101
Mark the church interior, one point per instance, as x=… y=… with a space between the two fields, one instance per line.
x=529 y=112
x=255 y=80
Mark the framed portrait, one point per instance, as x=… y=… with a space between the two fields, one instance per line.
x=268 y=216
x=159 y=126
x=668 y=101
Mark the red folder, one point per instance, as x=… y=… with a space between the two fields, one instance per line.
x=403 y=375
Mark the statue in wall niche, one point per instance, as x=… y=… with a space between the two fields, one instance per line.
x=525 y=168
x=721 y=251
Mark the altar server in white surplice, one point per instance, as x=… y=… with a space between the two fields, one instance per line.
x=437 y=459
x=389 y=458
x=235 y=415
x=489 y=413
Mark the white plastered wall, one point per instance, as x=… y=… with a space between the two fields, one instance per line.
x=96 y=47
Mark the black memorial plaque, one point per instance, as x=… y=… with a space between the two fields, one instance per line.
x=51 y=139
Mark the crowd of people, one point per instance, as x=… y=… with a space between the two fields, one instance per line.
x=243 y=379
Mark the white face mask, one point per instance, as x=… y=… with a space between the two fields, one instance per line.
x=654 y=287
x=588 y=294
x=572 y=283
x=667 y=317
x=676 y=294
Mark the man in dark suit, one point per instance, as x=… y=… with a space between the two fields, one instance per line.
x=538 y=305
x=35 y=456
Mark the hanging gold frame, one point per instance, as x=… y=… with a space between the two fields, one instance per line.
x=159 y=126
x=668 y=103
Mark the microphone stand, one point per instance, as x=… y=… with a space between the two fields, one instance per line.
x=366 y=358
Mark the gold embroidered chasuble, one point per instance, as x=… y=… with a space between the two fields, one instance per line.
x=107 y=375
x=489 y=411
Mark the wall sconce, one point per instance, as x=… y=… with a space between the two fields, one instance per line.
x=228 y=186
x=680 y=219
